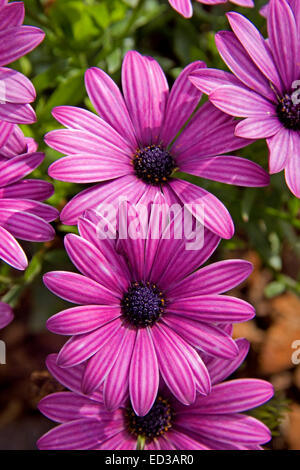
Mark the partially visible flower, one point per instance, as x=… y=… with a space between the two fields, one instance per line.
x=144 y=312
x=265 y=86
x=6 y=314
x=212 y=422
x=133 y=148
x=16 y=91
x=184 y=7
x=22 y=215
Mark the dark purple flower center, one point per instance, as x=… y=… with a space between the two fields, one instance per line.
x=143 y=304
x=288 y=112
x=153 y=164
x=155 y=423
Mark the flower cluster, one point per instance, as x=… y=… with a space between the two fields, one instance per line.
x=264 y=86
x=22 y=214
x=211 y=422
x=151 y=335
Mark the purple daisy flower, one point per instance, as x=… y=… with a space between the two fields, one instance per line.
x=212 y=422
x=144 y=313
x=265 y=86
x=22 y=215
x=16 y=91
x=132 y=149
x=184 y=7
x=6 y=315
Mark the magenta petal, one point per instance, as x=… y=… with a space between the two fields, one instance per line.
x=67 y=406
x=81 y=347
x=258 y=128
x=292 y=170
x=18 y=88
x=241 y=102
x=70 y=377
x=183 y=442
x=281 y=148
x=216 y=216
x=146 y=92
x=103 y=193
x=17 y=167
x=235 y=396
x=219 y=369
x=237 y=59
x=208 y=80
x=144 y=373
x=230 y=428
x=6 y=129
x=228 y=169
x=16 y=42
x=215 y=278
x=82 y=434
x=212 y=308
x=78 y=289
x=90 y=262
x=48 y=213
x=255 y=45
x=37 y=190
x=10 y=250
x=182 y=101
x=83 y=319
x=109 y=103
x=87 y=168
x=208 y=338
x=17 y=113
x=283 y=39
x=99 y=366
x=11 y=15
x=173 y=367
x=184 y=7
x=26 y=226
x=6 y=314
x=116 y=384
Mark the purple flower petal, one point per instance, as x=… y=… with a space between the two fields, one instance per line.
x=26 y=226
x=239 y=62
x=292 y=170
x=258 y=128
x=255 y=45
x=219 y=369
x=83 y=319
x=116 y=383
x=81 y=347
x=144 y=373
x=82 y=434
x=228 y=169
x=281 y=148
x=208 y=338
x=78 y=289
x=6 y=314
x=146 y=92
x=216 y=216
x=109 y=103
x=16 y=42
x=235 y=396
x=67 y=406
x=15 y=256
x=283 y=38
x=182 y=101
x=173 y=367
x=208 y=80
x=215 y=278
x=239 y=101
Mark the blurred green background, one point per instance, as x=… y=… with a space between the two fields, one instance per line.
x=85 y=33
